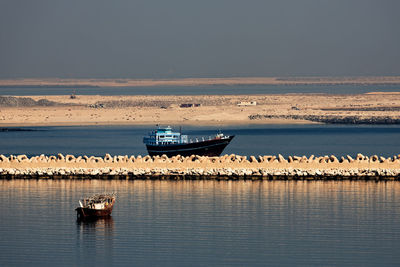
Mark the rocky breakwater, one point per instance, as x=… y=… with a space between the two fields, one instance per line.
x=60 y=166
x=333 y=119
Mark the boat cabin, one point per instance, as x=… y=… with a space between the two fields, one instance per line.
x=165 y=136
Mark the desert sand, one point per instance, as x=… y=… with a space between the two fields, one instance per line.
x=213 y=110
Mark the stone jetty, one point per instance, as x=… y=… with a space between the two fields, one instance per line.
x=334 y=119
x=232 y=167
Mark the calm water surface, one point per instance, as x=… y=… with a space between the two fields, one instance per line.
x=207 y=90
x=250 y=140
x=202 y=223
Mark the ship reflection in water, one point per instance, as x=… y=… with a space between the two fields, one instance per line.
x=95 y=239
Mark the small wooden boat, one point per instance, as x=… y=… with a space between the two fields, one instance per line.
x=99 y=205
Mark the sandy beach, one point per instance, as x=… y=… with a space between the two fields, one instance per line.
x=212 y=110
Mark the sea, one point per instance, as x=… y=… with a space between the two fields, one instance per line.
x=205 y=89
x=287 y=140
x=202 y=223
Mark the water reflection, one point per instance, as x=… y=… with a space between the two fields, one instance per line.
x=95 y=239
x=187 y=223
x=104 y=224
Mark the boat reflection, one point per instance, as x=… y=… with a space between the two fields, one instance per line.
x=105 y=224
x=95 y=229
x=95 y=240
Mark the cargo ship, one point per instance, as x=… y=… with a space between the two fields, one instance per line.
x=163 y=141
x=96 y=206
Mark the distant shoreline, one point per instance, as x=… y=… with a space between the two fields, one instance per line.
x=82 y=83
x=48 y=86
x=147 y=123
x=217 y=110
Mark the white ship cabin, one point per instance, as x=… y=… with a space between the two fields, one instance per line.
x=165 y=136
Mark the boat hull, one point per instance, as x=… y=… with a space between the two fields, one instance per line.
x=209 y=148
x=93 y=213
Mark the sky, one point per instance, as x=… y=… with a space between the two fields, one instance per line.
x=207 y=38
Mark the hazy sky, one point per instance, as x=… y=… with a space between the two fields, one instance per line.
x=204 y=38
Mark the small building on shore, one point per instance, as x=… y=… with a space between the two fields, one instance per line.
x=251 y=103
x=189 y=105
